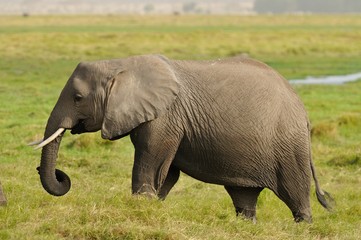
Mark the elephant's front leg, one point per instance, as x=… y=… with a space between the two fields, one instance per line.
x=171 y=179
x=143 y=175
x=150 y=171
x=154 y=154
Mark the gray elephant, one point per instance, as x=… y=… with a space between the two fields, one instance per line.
x=233 y=122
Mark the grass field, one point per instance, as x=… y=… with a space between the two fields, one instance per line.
x=38 y=54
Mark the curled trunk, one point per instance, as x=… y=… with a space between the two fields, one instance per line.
x=54 y=181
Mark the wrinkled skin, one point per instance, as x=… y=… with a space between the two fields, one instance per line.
x=233 y=122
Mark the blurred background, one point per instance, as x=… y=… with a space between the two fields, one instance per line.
x=177 y=6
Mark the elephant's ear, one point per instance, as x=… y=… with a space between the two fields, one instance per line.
x=141 y=91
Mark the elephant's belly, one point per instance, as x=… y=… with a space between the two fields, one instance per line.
x=220 y=171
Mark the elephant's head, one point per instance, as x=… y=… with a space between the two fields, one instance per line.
x=113 y=96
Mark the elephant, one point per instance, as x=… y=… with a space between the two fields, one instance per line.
x=234 y=122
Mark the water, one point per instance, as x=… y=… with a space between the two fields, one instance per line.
x=335 y=80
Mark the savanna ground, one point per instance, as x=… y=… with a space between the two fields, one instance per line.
x=38 y=55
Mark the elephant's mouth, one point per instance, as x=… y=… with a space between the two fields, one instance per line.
x=79 y=127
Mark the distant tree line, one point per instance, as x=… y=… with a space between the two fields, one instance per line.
x=318 y=6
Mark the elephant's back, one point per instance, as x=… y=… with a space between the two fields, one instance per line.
x=241 y=77
x=239 y=92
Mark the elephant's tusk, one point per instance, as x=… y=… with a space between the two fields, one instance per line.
x=49 y=139
x=35 y=142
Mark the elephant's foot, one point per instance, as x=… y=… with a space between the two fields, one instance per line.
x=247 y=214
x=299 y=216
x=146 y=190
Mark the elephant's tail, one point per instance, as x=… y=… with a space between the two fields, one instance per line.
x=323 y=197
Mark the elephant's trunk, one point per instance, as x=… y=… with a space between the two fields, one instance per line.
x=54 y=181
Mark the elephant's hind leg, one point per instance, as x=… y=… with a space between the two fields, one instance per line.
x=299 y=205
x=245 y=200
x=294 y=190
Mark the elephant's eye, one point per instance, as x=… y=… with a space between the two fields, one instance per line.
x=77 y=97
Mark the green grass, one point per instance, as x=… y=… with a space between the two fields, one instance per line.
x=39 y=53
